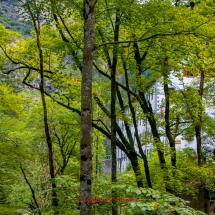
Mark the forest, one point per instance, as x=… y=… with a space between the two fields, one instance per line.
x=76 y=79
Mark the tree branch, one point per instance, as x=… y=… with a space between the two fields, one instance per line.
x=144 y=39
x=31 y=188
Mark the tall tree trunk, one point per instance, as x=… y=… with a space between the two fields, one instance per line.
x=86 y=110
x=167 y=124
x=127 y=146
x=136 y=168
x=207 y=205
x=113 y=111
x=145 y=161
x=36 y=24
x=198 y=126
x=97 y=160
x=199 y=142
x=50 y=147
x=197 y=123
x=146 y=107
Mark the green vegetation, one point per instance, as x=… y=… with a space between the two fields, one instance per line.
x=11 y=19
x=52 y=161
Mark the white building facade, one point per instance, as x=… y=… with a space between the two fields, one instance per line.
x=156 y=100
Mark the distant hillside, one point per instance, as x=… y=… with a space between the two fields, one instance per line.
x=10 y=18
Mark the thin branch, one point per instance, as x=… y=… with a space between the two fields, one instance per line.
x=127 y=126
x=99 y=120
x=50 y=96
x=76 y=5
x=118 y=83
x=100 y=71
x=119 y=143
x=31 y=188
x=25 y=78
x=110 y=17
x=106 y=51
x=94 y=4
x=185 y=122
x=62 y=104
x=74 y=54
x=27 y=84
x=68 y=31
x=26 y=66
x=59 y=29
x=110 y=8
x=144 y=39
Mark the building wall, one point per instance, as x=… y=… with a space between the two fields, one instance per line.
x=156 y=99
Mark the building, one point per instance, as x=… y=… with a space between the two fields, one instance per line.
x=156 y=99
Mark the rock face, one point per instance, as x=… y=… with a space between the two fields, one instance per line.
x=10 y=16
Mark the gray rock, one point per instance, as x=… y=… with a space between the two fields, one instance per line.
x=22 y=212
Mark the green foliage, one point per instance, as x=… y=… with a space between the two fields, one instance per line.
x=23 y=143
x=151 y=201
x=171 y=37
x=186 y=178
x=133 y=200
x=8 y=209
x=11 y=18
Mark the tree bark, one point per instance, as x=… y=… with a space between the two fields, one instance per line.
x=147 y=109
x=86 y=110
x=198 y=126
x=126 y=146
x=136 y=168
x=145 y=161
x=97 y=160
x=36 y=24
x=167 y=124
x=207 y=205
x=113 y=112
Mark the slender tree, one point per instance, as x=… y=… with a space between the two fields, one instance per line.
x=35 y=17
x=86 y=109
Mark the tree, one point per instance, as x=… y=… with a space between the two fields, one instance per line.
x=86 y=109
x=128 y=46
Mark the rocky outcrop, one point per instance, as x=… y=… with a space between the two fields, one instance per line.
x=10 y=16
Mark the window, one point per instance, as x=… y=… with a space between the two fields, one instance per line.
x=177 y=142
x=188 y=74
